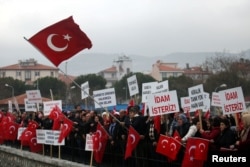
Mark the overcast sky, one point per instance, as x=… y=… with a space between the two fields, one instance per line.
x=142 y=27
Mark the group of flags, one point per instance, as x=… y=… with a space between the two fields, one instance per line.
x=196 y=149
x=61 y=41
x=9 y=129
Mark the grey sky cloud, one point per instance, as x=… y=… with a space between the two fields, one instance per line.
x=144 y=27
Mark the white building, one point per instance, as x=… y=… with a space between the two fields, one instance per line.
x=161 y=70
x=120 y=67
x=28 y=71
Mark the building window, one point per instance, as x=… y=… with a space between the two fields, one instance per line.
x=2 y=74
x=164 y=75
x=175 y=74
x=27 y=75
x=18 y=73
x=52 y=74
x=37 y=73
x=113 y=75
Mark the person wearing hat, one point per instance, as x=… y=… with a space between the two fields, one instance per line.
x=182 y=125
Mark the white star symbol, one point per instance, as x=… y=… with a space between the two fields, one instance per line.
x=67 y=37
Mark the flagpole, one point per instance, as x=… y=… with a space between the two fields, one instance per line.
x=51 y=94
x=200 y=118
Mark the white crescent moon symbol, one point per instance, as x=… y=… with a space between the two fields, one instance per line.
x=52 y=46
x=100 y=133
x=203 y=147
x=164 y=141
x=189 y=151
x=66 y=126
x=27 y=133
x=133 y=138
x=12 y=127
x=31 y=140
x=174 y=146
x=191 y=148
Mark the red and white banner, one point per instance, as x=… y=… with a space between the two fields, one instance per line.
x=163 y=103
x=232 y=100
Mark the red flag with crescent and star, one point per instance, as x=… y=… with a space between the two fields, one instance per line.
x=201 y=150
x=100 y=139
x=66 y=128
x=132 y=141
x=61 y=40
x=57 y=116
x=28 y=133
x=194 y=147
x=177 y=136
x=168 y=146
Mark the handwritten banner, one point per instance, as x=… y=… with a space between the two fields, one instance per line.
x=196 y=95
x=163 y=103
x=133 y=85
x=104 y=98
x=232 y=100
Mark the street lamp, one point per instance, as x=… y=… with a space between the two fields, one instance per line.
x=7 y=85
x=221 y=86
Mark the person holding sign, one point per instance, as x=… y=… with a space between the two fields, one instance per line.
x=194 y=129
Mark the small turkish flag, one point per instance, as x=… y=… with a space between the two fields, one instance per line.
x=61 y=40
x=168 y=146
x=132 y=141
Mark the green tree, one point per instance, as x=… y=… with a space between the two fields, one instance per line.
x=18 y=86
x=48 y=85
x=121 y=87
x=231 y=79
x=180 y=84
x=96 y=82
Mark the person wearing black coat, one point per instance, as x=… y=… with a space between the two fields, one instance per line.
x=227 y=136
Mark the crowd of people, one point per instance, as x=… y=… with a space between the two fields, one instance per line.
x=221 y=131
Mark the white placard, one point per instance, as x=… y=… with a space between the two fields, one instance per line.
x=104 y=98
x=132 y=85
x=89 y=143
x=29 y=106
x=196 y=95
x=49 y=137
x=85 y=90
x=232 y=101
x=161 y=87
x=49 y=105
x=34 y=96
x=163 y=103
x=207 y=101
x=186 y=104
x=40 y=136
x=216 y=99
x=147 y=88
